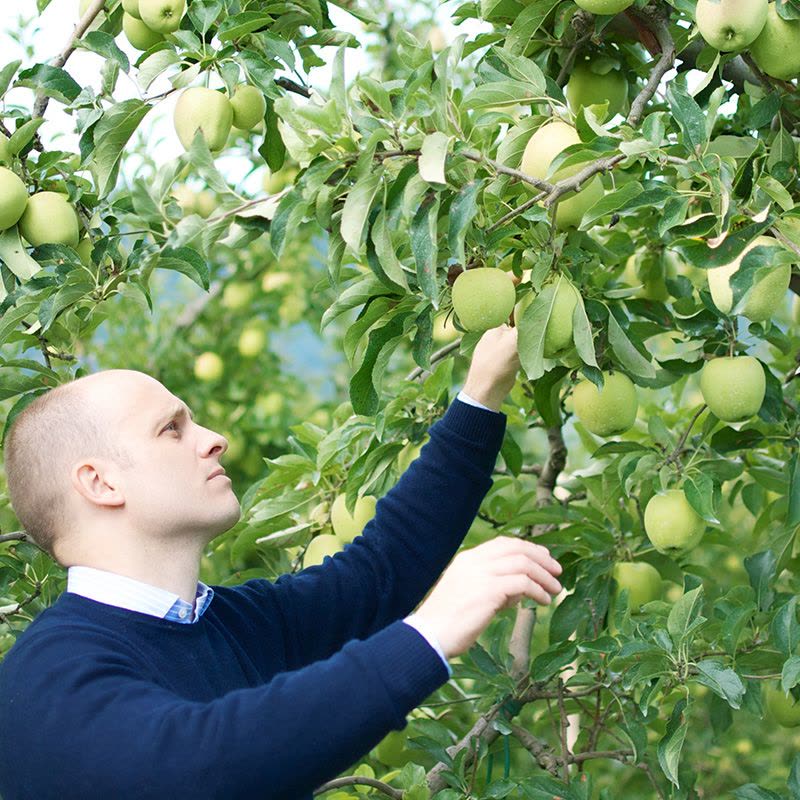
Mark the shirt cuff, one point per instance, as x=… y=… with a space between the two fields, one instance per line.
x=422 y=628
x=465 y=398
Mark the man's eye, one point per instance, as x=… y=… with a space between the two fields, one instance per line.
x=172 y=423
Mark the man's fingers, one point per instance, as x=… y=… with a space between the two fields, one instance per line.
x=521 y=585
x=508 y=545
x=521 y=564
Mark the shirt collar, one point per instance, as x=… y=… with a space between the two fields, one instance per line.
x=134 y=595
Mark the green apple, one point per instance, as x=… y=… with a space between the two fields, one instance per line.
x=347 y=526
x=775 y=50
x=781 y=707
x=13 y=198
x=730 y=24
x=273 y=182
x=162 y=16
x=603 y=6
x=49 y=219
x=443 y=329
x=270 y=404
x=733 y=387
x=558 y=333
x=588 y=86
x=275 y=280
x=764 y=297
x=671 y=524
x=84 y=250
x=326 y=544
x=238 y=295
x=131 y=7
x=5 y=152
x=410 y=453
x=392 y=751
x=204 y=109
x=608 y=412
x=191 y=202
x=641 y=579
x=208 y=366
x=546 y=143
x=252 y=341
x=138 y=34
x=249 y=106
x=483 y=298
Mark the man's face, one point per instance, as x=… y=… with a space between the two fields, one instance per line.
x=167 y=489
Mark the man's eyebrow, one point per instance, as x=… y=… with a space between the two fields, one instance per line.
x=176 y=411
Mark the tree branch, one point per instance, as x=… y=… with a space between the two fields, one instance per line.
x=657 y=22
x=354 y=780
x=95 y=7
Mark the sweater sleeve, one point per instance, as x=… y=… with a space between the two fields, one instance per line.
x=382 y=575
x=89 y=726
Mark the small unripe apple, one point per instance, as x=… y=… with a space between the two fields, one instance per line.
x=546 y=143
x=270 y=404
x=208 y=367
x=252 y=341
x=443 y=330
x=392 y=750
x=162 y=16
x=483 y=298
x=775 y=50
x=138 y=34
x=730 y=24
x=49 y=219
x=347 y=526
x=326 y=544
x=764 y=297
x=733 y=387
x=641 y=579
x=587 y=86
x=13 y=198
x=206 y=110
x=558 y=333
x=603 y=6
x=84 y=250
x=671 y=524
x=249 y=106
x=238 y=295
x=609 y=412
x=781 y=708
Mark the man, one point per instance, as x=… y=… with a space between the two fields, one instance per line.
x=140 y=682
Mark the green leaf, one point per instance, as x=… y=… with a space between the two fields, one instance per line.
x=785 y=631
x=365 y=384
x=546 y=393
x=684 y=616
x=688 y=115
x=790 y=674
x=187 y=261
x=463 y=209
x=6 y=74
x=241 y=24
x=531 y=332
x=793 y=512
x=424 y=225
x=699 y=490
x=51 y=81
x=793 y=783
x=721 y=680
x=432 y=157
x=23 y=135
x=761 y=571
x=103 y=44
x=671 y=744
x=357 y=207
x=15 y=256
x=553 y=660
x=751 y=791
x=111 y=134
x=611 y=202
x=527 y=23
x=582 y=333
x=628 y=355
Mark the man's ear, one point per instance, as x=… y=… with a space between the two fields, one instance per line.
x=98 y=482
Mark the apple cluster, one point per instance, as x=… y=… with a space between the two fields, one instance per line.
x=754 y=25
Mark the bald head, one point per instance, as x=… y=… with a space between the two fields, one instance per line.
x=59 y=427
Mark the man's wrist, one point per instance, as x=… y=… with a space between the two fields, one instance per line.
x=490 y=396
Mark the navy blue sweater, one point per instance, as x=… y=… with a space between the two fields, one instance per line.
x=276 y=689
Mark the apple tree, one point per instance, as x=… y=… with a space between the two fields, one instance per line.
x=617 y=179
